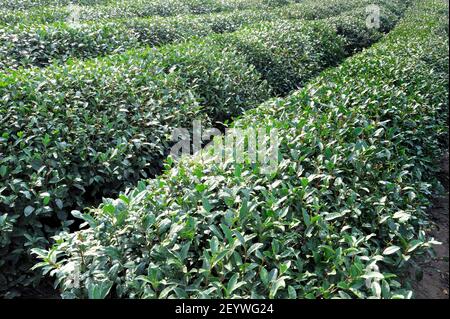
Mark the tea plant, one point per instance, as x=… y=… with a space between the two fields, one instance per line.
x=73 y=134
x=13 y=12
x=26 y=45
x=342 y=215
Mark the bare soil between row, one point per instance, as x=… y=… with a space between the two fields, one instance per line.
x=434 y=283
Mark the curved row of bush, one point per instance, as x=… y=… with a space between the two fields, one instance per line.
x=72 y=134
x=285 y=67
x=40 y=45
x=341 y=216
x=9 y=17
x=128 y=9
x=26 y=4
x=145 y=8
x=14 y=12
x=305 y=9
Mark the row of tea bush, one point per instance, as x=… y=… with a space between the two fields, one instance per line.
x=51 y=11
x=26 y=45
x=72 y=134
x=340 y=218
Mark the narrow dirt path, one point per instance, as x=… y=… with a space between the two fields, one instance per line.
x=435 y=280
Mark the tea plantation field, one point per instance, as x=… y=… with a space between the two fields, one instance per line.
x=93 y=204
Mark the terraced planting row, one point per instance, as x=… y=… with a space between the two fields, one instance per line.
x=74 y=133
x=340 y=218
x=40 y=45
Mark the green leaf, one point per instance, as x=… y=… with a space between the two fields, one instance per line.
x=28 y=210
x=219 y=257
x=124 y=198
x=206 y=204
x=284 y=267
x=59 y=203
x=391 y=250
x=402 y=216
x=200 y=187
x=306 y=218
x=378 y=132
x=232 y=284
x=373 y=275
x=254 y=247
x=264 y=275
x=227 y=232
x=334 y=216
x=414 y=244
x=99 y=290
x=292 y=293
x=166 y=291
x=3 y=170
x=357 y=131
x=376 y=289
x=304 y=181
x=344 y=295
x=46 y=140
x=279 y=283
x=45 y=197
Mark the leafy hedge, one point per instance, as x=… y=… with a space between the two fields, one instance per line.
x=284 y=54
x=14 y=12
x=39 y=45
x=72 y=134
x=31 y=12
x=341 y=216
x=145 y=8
x=26 y=4
x=357 y=36
x=29 y=45
x=10 y=17
x=287 y=57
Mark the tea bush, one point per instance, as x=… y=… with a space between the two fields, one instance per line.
x=287 y=57
x=40 y=45
x=145 y=8
x=39 y=11
x=26 y=4
x=31 y=46
x=322 y=9
x=43 y=44
x=10 y=17
x=284 y=54
x=32 y=12
x=342 y=215
x=68 y=134
x=73 y=134
x=305 y=9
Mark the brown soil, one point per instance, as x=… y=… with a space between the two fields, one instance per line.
x=435 y=280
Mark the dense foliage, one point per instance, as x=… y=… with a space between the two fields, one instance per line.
x=69 y=133
x=41 y=44
x=72 y=134
x=340 y=217
x=50 y=11
x=287 y=57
